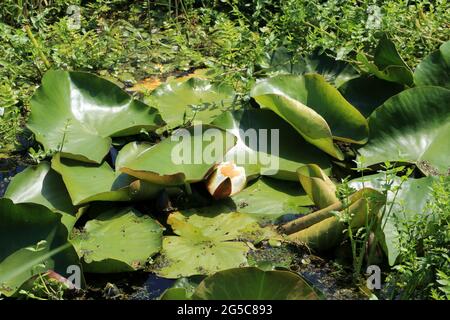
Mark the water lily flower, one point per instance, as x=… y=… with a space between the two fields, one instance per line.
x=226 y=180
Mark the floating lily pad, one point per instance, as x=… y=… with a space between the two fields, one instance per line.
x=267 y=145
x=118 y=240
x=207 y=244
x=269 y=199
x=314 y=108
x=185 y=157
x=33 y=240
x=192 y=100
x=77 y=113
x=367 y=93
x=87 y=182
x=254 y=284
x=412 y=126
x=42 y=185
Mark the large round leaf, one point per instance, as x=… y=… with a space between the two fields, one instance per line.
x=33 y=241
x=42 y=185
x=412 y=126
x=254 y=284
x=314 y=108
x=367 y=93
x=268 y=199
x=267 y=145
x=118 y=240
x=192 y=100
x=77 y=113
x=186 y=156
x=88 y=182
x=434 y=70
x=207 y=244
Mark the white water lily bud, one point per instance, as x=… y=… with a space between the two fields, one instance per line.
x=226 y=180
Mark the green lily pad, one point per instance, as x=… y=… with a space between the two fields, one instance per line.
x=367 y=93
x=33 y=241
x=267 y=145
x=194 y=100
x=434 y=70
x=314 y=108
x=77 y=113
x=268 y=199
x=388 y=64
x=254 y=284
x=42 y=185
x=413 y=127
x=320 y=189
x=329 y=232
x=87 y=182
x=207 y=244
x=336 y=72
x=185 y=157
x=118 y=240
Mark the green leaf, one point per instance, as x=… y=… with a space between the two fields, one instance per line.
x=320 y=189
x=185 y=157
x=388 y=64
x=42 y=185
x=254 y=284
x=336 y=72
x=268 y=199
x=77 y=113
x=194 y=99
x=267 y=145
x=118 y=240
x=207 y=244
x=33 y=241
x=329 y=232
x=413 y=127
x=403 y=205
x=367 y=93
x=87 y=182
x=434 y=70
x=314 y=108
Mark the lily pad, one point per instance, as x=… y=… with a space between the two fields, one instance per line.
x=320 y=189
x=254 y=284
x=87 y=182
x=388 y=64
x=268 y=199
x=267 y=145
x=192 y=100
x=118 y=240
x=413 y=127
x=434 y=70
x=329 y=232
x=367 y=93
x=41 y=185
x=207 y=244
x=185 y=157
x=77 y=113
x=314 y=108
x=33 y=241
